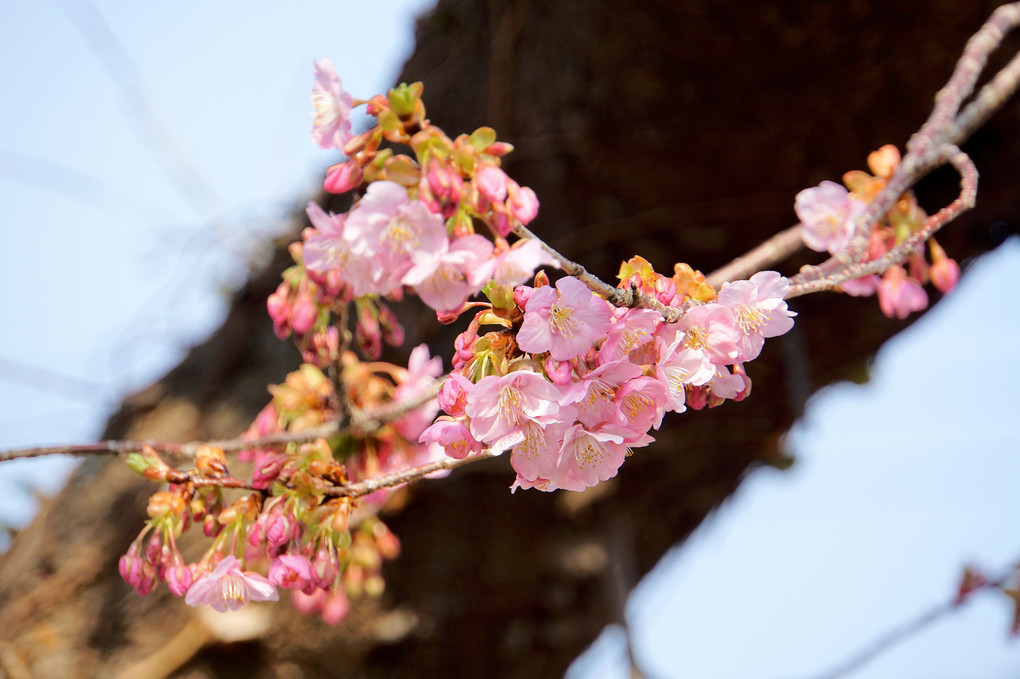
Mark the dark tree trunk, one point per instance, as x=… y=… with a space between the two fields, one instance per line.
x=674 y=130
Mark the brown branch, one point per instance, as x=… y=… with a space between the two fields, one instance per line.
x=618 y=297
x=771 y=252
x=931 y=147
x=907 y=630
x=965 y=201
x=361 y=421
x=356 y=490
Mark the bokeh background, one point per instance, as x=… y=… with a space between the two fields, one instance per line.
x=148 y=153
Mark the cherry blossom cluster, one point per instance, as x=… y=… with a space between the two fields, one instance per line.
x=570 y=384
x=413 y=227
x=564 y=380
x=323 y=548
x=827 y=213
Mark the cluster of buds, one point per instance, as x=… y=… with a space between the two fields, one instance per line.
x=289 y=521
x=569 y=384
x=828 y=212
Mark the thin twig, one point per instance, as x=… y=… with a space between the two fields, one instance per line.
x=909 y=629
x=931 y=147
x=771 y=252
x=618 y=297
x=361 y=421
x=965 y=201
x=356 y=490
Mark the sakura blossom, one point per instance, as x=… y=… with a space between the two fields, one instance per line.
x=537 y=455
x=292 y=571
x=516 y=265
x=328 y=250
x=387 y=227
x=499 y=407
x=899 y=295
x=759 y=308
x=564 y=320
x=588 y=457
x=445 y=279
x=332 y=124
x=453 y=436
x=229 y=588
x=711 y=329
x=827 y=213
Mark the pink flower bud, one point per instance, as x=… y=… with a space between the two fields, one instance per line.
x=325 y=567
x=368 y=334
x=308 y=604
x=944 y=272
x=303 y=314
x=277 y=303
x=178 y=579
x=343 y=177
x=523 y=203
x=559 y=372
x=492 y=183
x=335 y=607
x=522 y=293
x=453 y=394
x=899 y=295
x=392 y=330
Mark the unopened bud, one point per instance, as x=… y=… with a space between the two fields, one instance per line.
x=210 y=461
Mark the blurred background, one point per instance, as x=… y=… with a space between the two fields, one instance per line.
x=149 y=153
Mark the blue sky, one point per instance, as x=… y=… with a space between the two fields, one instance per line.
x=110 y=270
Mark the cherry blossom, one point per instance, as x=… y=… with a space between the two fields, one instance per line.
x=759 y=308
x=292 y=571
x=332 y=124
x=387 y=227
x=588 y=457
x=499 y=407
x=564 y=320
x=827 y=213
x=898 y=295
x=229 y=588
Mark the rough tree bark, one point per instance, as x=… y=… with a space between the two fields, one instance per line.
x=679 y=131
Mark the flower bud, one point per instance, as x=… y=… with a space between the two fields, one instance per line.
x=944 y=272
x=210 y=461
x=343 y=177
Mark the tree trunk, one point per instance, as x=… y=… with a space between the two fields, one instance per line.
x=676 y=130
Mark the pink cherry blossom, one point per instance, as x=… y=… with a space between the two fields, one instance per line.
x=421 y=375
x=865 y=286
x=453 y=436
x=759 y=309
x=228 y=587
x=445 y=279
x=564 y=320
x=642 y=402
x=827 y=213
x=292 y=571
x=712 y=330
x=631 y=329
x=499 y=407
x=387 y=227
x=517 y=265
x=491 y=183
x=327 y=249
x=594 y=393
x=898 y=295
x=588 y=457
x=537 y=455
x=522 y=201
x=332 y=124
